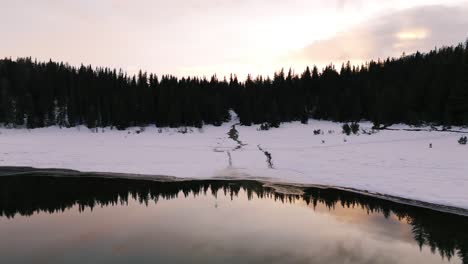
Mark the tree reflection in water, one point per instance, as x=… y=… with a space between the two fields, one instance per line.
x=29 y=194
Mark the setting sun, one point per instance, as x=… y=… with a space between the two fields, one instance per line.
x=413 y=34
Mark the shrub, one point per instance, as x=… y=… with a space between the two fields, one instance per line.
x=355 y=128
x=265 y=126
x=463 y=140
x=317 y=132
x=182 y=130
x=346 y=129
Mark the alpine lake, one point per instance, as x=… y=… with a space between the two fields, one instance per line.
x=50 y=219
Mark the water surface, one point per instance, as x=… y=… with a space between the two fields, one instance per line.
x=46 y=219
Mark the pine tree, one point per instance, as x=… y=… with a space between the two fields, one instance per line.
x=419 y=88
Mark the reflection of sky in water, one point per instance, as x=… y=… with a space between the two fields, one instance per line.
x=374 y=222
x=205 y=229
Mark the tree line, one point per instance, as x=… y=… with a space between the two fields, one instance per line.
x=414 y=89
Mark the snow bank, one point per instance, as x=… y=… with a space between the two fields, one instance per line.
x=398 y=163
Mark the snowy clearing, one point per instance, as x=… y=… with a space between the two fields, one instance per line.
x=397 y=163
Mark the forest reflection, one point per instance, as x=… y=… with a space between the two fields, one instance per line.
x=445 y=234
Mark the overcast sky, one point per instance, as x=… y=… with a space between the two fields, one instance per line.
x=189 y=37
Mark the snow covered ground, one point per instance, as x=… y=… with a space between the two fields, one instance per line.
x=398 y=163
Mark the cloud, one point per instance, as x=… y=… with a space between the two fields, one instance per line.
x=341 y=4
x=223 y=36
x=411 y=30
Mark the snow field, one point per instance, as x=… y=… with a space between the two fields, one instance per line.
x=398 y=163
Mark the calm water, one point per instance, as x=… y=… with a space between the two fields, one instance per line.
x=98 y=220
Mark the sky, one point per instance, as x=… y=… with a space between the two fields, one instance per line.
x=206 y=37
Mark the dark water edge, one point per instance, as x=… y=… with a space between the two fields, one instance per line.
x=279 y=187
x=47 y=191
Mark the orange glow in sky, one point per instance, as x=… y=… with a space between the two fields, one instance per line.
x=191 y=37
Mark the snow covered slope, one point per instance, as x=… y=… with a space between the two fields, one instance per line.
x=398 y=163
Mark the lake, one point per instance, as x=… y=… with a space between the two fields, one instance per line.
x=47 y=219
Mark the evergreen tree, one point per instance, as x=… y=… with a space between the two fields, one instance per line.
x=419 y=88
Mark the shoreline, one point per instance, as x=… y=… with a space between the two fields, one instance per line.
x=278 y=186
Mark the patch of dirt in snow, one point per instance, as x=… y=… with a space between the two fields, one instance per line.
x=268 y=156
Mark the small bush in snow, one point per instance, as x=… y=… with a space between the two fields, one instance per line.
x=354 y=128
x=317 y=132
x=265 y=126
x=183 y=130
x=463 y=140
x=346 y=129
